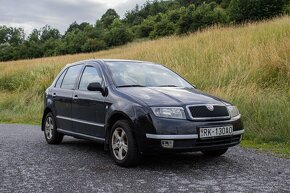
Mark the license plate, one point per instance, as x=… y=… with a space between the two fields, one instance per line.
x=215 y=131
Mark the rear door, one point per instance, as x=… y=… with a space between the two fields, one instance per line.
x=88 y=107
x=62 y=96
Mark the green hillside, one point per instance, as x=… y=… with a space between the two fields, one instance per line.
x=247 y=65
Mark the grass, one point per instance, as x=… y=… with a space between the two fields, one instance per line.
x=279 y=149
x=247 y=65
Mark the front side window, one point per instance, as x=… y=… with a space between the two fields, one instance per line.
x=90 y=75
x=71 y=77
x=144 y=74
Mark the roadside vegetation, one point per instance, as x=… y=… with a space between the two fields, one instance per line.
x=152 y=20
x=248 y=65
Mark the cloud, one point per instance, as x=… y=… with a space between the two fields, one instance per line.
x=31 y=14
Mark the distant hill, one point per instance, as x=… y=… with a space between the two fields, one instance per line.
x=152 y=20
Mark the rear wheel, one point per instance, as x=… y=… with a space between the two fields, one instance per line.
x=215 y=153
x=123 y=146
x=50 y=133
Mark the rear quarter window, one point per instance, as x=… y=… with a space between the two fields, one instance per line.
x=71 y=77
x=59 y=80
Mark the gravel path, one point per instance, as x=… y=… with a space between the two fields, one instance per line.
x=28 y=164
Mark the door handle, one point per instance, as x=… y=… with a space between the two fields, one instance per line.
x=75 y=98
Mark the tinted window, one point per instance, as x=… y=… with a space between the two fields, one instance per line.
x=71 y=77
x=59 y=81
x=90 y=74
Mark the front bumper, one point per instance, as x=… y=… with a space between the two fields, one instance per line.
x=186 y=143
x=151 y=132
x=180 y=137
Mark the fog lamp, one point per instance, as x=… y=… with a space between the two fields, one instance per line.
x=167 y=143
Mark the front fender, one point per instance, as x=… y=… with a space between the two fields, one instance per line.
x=137 y=115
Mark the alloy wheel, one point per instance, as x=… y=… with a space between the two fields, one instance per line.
x=119 y=143
x=49 y=126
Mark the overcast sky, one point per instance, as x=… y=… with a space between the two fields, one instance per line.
x=31 y=14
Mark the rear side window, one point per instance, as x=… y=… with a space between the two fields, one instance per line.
x=90 y=75
x=71 y=76
x=59 y=80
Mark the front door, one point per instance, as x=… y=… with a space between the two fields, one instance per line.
x=88 y=107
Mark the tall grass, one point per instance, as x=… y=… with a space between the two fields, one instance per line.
x=247 y=65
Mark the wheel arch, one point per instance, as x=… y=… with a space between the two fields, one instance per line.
x=46 y=111
x=116 y=116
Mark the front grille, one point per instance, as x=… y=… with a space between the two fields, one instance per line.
x=202 y=111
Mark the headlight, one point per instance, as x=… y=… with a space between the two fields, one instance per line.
x=169 y=112
x=233 y=111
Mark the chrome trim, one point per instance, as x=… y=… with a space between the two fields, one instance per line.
x=80 y=121
x=237 y=117
x=239 y=132
x=193 y=136
x=79 y=134
x=153 y=136
x=206 y=118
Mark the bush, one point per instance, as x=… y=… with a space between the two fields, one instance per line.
x=145 y=28
x=94 y=45
x=162 y=28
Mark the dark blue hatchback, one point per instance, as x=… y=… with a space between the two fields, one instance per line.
x=136 y=107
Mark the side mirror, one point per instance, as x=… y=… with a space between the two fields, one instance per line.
x=96 y=86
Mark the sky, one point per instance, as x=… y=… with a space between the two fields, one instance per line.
x=30 y=14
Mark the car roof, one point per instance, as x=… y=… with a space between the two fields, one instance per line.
x=104 y=61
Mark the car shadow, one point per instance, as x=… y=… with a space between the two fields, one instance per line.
x=159 y=161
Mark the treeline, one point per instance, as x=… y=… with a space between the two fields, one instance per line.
x=152 y=20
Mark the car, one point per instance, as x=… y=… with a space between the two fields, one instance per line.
x=136 y=108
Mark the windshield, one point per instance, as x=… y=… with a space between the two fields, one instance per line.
x=142 y=74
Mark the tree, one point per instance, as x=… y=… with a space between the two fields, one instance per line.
x=163 y=28
x=145 y=28
x=35 y=35
x=48 y=32
x=118 y=34
x=4 y=31
x=154 y=19
x=72 y=27
x=74 y=41
x=108 y=18
x=185 y=20
x=246 y=10
x=12 y=36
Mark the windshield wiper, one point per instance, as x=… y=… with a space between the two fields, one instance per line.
x=130 y=85
x=169 y=85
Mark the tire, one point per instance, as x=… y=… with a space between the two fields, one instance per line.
x=49 y=128
x=215 y=153
x=122 y=139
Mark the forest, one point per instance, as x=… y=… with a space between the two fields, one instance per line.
x=152 y=20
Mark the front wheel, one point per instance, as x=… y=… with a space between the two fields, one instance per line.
x=215 y=153
x=50 y=133
x=123 y=146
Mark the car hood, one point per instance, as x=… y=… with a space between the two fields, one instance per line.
x=170 y=96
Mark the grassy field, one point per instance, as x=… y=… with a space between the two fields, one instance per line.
x=247 y=65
